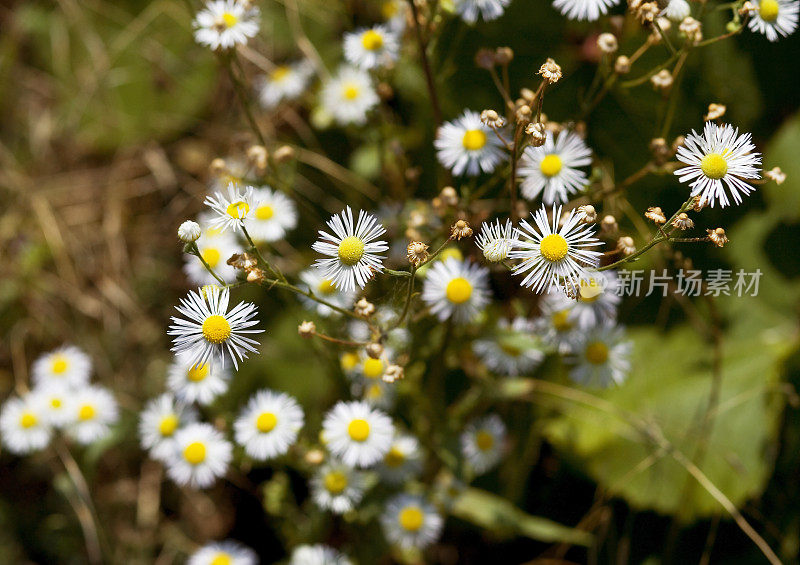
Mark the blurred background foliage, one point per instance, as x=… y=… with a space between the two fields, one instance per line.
x=111 y=115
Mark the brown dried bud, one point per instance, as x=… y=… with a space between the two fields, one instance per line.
x=449 y=196
x=715 y=111
x=718 y=237
x=374 y=350
x=655 y=215
x=683 y=222
x=776 y=175
x=538 y=133
x=364 y=308
x=523 y=114
x=662 y=80
x=503 y=55
x=608 y=225
x=692 y=29
x=218 y=167
x=550 y=71
x=484 y=58
x=307 y=329
x=589 y=214
x=622 y=65
x=284 y=154
x=393 y=373
x=607 y=43
x=257 y=156
x=528 y=95
x=256 y=276
x=385 y=91
x=417 y=253
x=660 y=150
x=460 y=229
x=492 y=119
x=626 y=246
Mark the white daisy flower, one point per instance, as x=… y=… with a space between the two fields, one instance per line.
x=677 y=10
x=231 y=211
x=274 y=215
x=552 y=169
x=352 y=248
x=377 y=393
x=284 y=82
x=583 y=9
x=403 y=460
x=197 y=383
x=201 y=455
x=554 y=325
x=496 y=240
x=313 y=281
x=67 y=364
x=483 y=443
x=601 y=356
x=469 y=10
x=394 y=13
x=411 y=522
x=268 y=426
x=349 y=96
x=513 y=351
x=368 y=48
x=158 y=422
x=357 y=434
x=227 y=552
x=317 y=555
x=456 y=289
x=337 y=487
x=223 y=24
x=719 y=154
x=468 y=147
x=56 y=398
x=597 y=300
x=215 y=246
x=24 y=426
x=554 y=254
x=93 y=411
x=775 y=18
x=211 y=330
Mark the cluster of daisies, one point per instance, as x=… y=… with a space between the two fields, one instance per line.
x=62 y=400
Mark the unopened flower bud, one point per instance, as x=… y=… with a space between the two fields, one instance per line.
x=607 y=43
x=374 y=350
x=449 y=196
x=609 y=225
x=503 y=55
x=314 y=456
x=307 y=329
x=460 y=229
x=538 y=133
x=492 y=119
x=257 y=155
x=776 y=175
x=715 y=111
x=622 y=65
x=655 y=215
x=589 y=214
x=218 y=167
x=393 y=373
x=484 y=59
x=189 y=231
x=364 y=308
x=284 y=154
x=662 y=80
x=626 y=246
x=718 y=237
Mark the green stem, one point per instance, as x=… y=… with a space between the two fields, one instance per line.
x=193 y=250
x=241 y=93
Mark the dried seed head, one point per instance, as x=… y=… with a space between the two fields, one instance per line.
x=683 y=222
x=699 y=204
x=748 y=9
x=257 y=156
x=609 y=225
x=449 y=196
x=374 y=350
x=655 y=215
x=607 y=43
x=692 y=29
x=538 y=133
x=523 y=114
x=776 y=174
x=715 y=112
x=626 y=246
x=460 y=229
x=492 y=119
x=307 y=329
x=243 y=261
x=417 y=253
x=662 y=80
x=364 y=308
x=393 y=373
x=718 y=237
x=256 y=276
x=589 y=214
x=622 y=65
x=550 y=71
x=503 y=55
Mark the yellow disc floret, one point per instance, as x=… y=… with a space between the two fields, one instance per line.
x=86 y=412
x=349 y=361
x=195 y=453
x=351 y=250
x=238 y=209
x=266 y=422
x=371 y=40
x=197 y=373
x=216 y=329
x=222 y=559
x=411 y=518
x=358 y=429
x=484 y=440
x=551 y=165
x=458 y=290
x=373 y=368
x=60 y=364
x=714 y=166
x=168 y=425
x=326 y=287
x=280 y=73
x=27 y=420
x=596 y=353
x=211 y=256
x=265 y=212
x=229 y=19
x=553 y=247
x=768 y=10
x=561 y=321
x=473 y=139
x=394 y=458
x=335 y=482
x=350 y=91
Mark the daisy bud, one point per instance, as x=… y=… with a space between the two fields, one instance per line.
x=748 y=9
x=626 y=246
x=284 y=154
x=189 y=231
x=257 y=155
x=374 y=350
x=622 y=65
x=655 y=215
x=503 y=55
x=307 y=329
x=609 y=224
x=699 y=204
x=692 y=29
x=449 y=196
x=538 y=133
x=715 y=112
x=645 y=12
x=683 y=222
x=776 y=174
x=364 y=308
x=460 y=229
x=218 y=167
x=662 y=80
x=492 y=119
x=417 y=253
x=484 y=59
x=524 y=114
x=528 y=95
x=314 y=456
x=660 y=150
x=607 y=43
x=589 y=214
x=550 y=71
x=718 y=237
x=393 y=373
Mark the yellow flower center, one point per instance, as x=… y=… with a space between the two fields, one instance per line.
x=372 y=40
x=197 y=373
x=484 y=440
x=216 y=329
x=714 y=166
x=335 y=482
x=195 y=453
x=394 y=458
x=373 y=368
x=411 y=518
x=451 y=253
x=27 y=420
x=458 y=290
x=238 y=209
x=551 y=165
x=473 y=139
x=553 y=247
x=351 y=250
x=229 y=19
x=280 y=73
x=265 y=212
x=326 y=287
x=389 y=10
x=349 y=361
x=768 y=10
x=350 y=92
x=211 y=256
x=510 y=350
x=60 y=364
x=597 y=353
x=168 y=425
x=86 y=412
x=590 y=291
x=358 y=430
x=561 y=321
x=222 y=559
x=266 y=422
x=374 y=392
x=55 y=403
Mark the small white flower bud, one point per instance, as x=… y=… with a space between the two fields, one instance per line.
x=189 y=231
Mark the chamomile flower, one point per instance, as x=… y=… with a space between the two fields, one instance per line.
x=268 y=426
x=466 y=146
x=67 y=364
x=496 y=240
x=411 y=522
x=223 y=24
x=456 y=289
x=601 y=356
x=317 y=555
x=513 y=350
x=357 y=434
x=227 y=552
x=719 y=155
x=352 y=249
x=312 y=280
x=349 y=96
x=775 y=18
x=230 y=211
x=551 y=254
x=215 y=246
x=158 y=422
x=93 y=410
x=337 y=487
x=274 y=215
x=469 y=10
x=483 y=443
x=677 y=10
x=368 y=48
x=284 y=82
x=197 y=383
x=211 y=330
x=375 y=392
x=552 y=169
x=24 y=426
x=403 y=460
x=200 y=455
x=56 y=397
x=555 y=325
x=596 y=301
x=583 y=9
